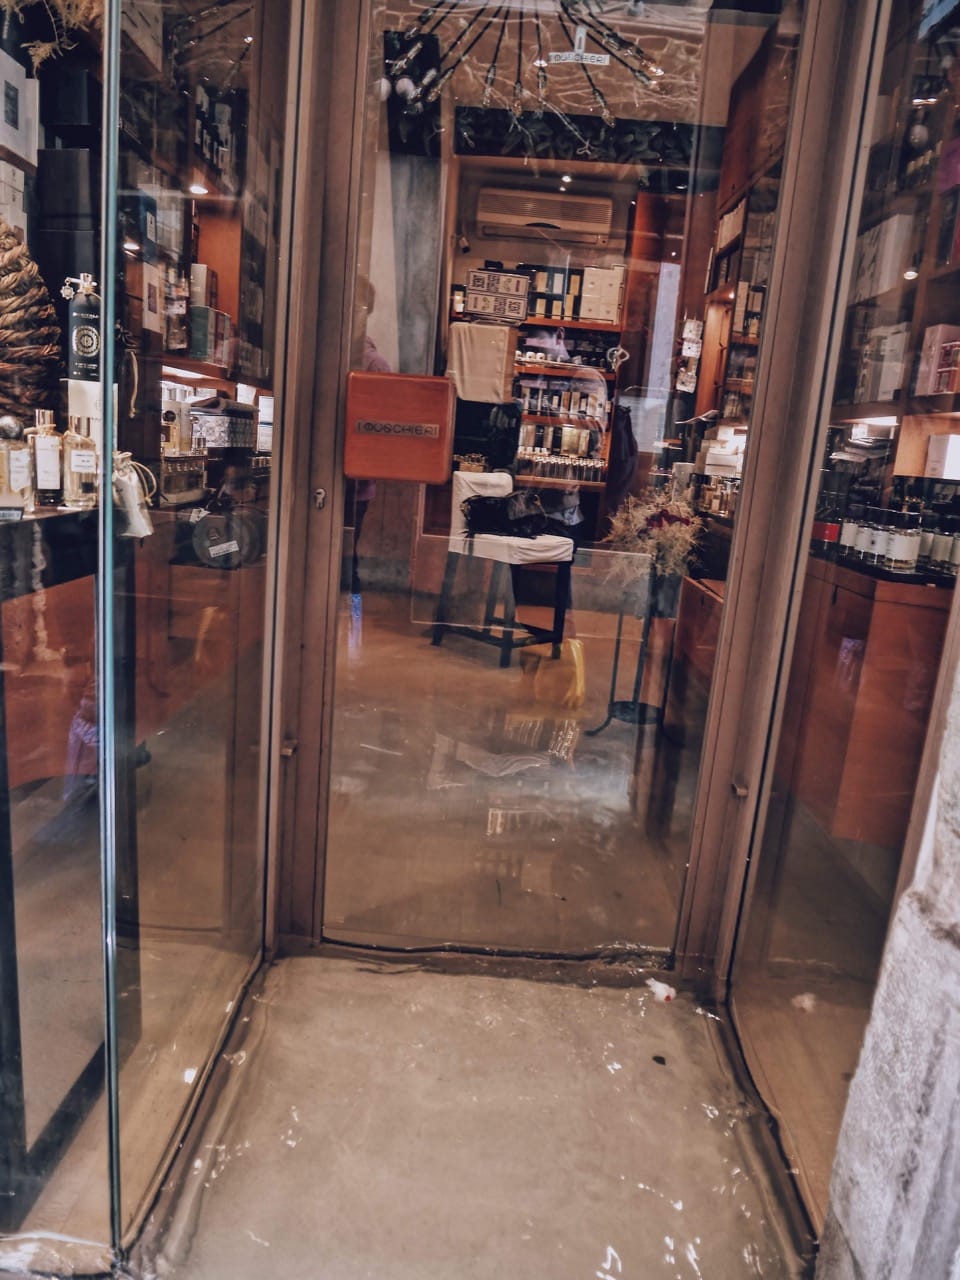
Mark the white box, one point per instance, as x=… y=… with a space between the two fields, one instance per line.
x=601 y=293
x=893 y=349
x=943 y=457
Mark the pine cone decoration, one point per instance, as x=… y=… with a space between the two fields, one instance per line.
x=30 y=355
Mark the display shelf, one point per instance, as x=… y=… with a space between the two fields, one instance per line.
x=743 y=340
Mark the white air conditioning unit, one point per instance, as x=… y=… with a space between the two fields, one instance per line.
x=503 y=212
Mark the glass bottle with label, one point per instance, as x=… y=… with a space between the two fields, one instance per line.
x=79 y=466
x=15 y=473
x=46 y=448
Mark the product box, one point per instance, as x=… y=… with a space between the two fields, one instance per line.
x=497 y=295
x=943 y=457
x=222 y=333
x=19 y=110
x=934 y=339
x=203 y=332
x=203 y=285
x=601 y=293
x=883 y=254
x=11 y=198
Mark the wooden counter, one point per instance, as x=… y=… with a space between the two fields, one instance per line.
x=858 y=699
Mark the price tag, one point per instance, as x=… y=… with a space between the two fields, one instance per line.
x=223 y=548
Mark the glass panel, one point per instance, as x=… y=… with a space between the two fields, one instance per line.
x=568 y=209
x=54 y=1199
x=877 y=589
x=203 y=100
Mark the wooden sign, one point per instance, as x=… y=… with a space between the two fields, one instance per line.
x=399 y=427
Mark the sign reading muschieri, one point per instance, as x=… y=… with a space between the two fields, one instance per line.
x=420 y=430
x=399 y=427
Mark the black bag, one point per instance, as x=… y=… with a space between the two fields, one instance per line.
x=515 y=515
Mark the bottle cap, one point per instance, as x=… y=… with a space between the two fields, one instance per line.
x=45 y=418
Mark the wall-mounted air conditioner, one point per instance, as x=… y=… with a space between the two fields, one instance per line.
x=505 y=213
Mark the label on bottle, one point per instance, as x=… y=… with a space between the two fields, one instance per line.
x=863 y=539
x=848 y=534
x=926 y=543
x=83 y=461
x=19 y=463
x=902 y=549
x=942 y=547
x=47 y=452
x=877 y=547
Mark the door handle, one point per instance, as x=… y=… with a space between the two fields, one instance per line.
x=319 y=498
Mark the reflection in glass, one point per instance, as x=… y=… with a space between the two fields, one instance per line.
x=877 y=588
x=582 y=244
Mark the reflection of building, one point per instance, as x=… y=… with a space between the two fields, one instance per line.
x=722 y=271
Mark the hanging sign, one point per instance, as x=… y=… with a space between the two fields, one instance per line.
x=399 y=427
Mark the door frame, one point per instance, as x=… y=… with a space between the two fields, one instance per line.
x=825 y=146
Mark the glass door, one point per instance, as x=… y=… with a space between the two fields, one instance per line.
x=564 y=243
x=876 y=592
x=143 y=274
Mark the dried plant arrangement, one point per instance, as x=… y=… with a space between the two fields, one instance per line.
x=62 y=17
x=656 y=524
x=30 y=359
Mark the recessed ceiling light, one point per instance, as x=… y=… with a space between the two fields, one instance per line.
x=131 y=246
x=248 y=39
x=911 y=273
x=198 y=189
x=567 y=178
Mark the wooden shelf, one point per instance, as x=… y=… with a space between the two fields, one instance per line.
x=866 y=409
x=216 y=372
x=743 y=340
x=564 y=370
x=555 y=482
x=598 y=326
x=560 y=419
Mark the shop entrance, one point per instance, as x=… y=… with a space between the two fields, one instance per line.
x=568 y=218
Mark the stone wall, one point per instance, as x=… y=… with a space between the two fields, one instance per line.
x=895 y=1196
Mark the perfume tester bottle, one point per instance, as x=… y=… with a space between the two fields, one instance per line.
x=46 y=448
x=15 y=471
x=79 y=466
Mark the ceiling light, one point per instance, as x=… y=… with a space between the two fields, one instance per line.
x=566 y=178
x=131 y=246
x=198 y=189
x=248 y=39
x=911 y=273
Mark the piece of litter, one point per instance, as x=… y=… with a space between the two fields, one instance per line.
x=662 y=993
x=806 y=1001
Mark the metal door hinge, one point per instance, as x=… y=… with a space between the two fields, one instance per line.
x=289 y=748
x=740 y=790
x=319 y=498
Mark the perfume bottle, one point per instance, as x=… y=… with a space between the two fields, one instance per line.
x=46 y=448
x=79 y=466
x=15 y=476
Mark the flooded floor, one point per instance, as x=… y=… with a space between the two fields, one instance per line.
x=392 y=1121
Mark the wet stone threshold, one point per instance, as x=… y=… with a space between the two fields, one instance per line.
x=469 y=1118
